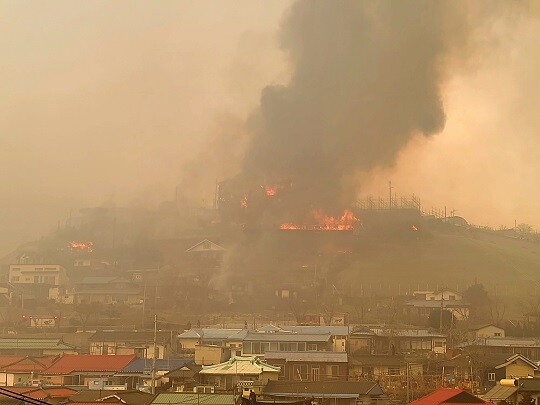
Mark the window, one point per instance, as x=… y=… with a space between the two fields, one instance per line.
x=274 y=346
x=300 y=372
x=438 y=343
x=312 y=347
x=14 y=279
x=394 y=371
x=497 y=334
x=333 y=371
x=256 y=347
x=452 y=297
x=302 y=347
x=315 y=373
x=246 y=348
x=491 y=376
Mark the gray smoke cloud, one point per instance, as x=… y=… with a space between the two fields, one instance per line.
x=367 y=76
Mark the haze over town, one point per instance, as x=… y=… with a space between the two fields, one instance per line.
x=121 y=103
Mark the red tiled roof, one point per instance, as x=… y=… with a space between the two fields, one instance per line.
x=445 y=396
x=27 y=364
x=9 y=359
x=70 y=363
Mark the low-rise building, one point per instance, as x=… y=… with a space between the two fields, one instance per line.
x=232 y=338
x=227 y=375
x=106 y=290
x=485 y=331
x=256 y=343
x=310 y=366
x=408 y=341
x=35 y=347
x=449 y=396
x=333 y=392
x=140 y=343
x=22 y=370
x=79 y=369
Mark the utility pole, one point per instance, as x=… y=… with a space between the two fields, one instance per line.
x=441 y=315
x=143 y=305
x=390 y=194
x=154 y=357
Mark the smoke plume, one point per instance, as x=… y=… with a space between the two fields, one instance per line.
x=367 y=76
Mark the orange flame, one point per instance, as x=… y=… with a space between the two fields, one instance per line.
x=325 y=222
x=81 y=246
x=244 y=202
x=270 y=190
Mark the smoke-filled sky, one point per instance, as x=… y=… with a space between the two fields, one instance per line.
x=119 y=102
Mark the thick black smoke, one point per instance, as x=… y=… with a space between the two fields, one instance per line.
x=367 y=76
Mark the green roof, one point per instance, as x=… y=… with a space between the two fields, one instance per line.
x=189 y=398
x=31 y=343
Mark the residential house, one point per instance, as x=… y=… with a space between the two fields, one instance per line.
x=227 y=375
x=376 y=366
x=140 y=343
x=79 y=369
x=424 y=308
x=514 y=367
x=35 y=347
x=232 y=338
x=35 y=280
x=485 y=331
x=338 y=334
x=206 y=355
x=408 y=340
x=361 y=341
x=205 y=257
x=45 y=395
x=444 y=294
x=528 y=347
x=22 y=370
x=107 y=290
x=259 y=343
x=184 y=378
x=127 y=397
x=309 y=366
x=449 y=396
x=514 y=391
x=328 y=392
x=190 y=398
x=138 y=373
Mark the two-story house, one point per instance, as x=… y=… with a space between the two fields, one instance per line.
x=35 y=280
x=140 y=343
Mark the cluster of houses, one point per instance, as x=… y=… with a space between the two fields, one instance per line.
x=363 y=364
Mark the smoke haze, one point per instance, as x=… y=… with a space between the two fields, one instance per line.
x=366 y=77
x=121 y=102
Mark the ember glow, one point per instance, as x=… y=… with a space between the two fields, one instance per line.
x=81 y=246
x=322 y=222
x=414 y=228
x=244 y=202
x=270 y=191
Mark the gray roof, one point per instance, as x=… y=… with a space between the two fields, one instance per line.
x=504 y=342
x=213 y=333
x=319 y=330
x=406 y=332
x=189 y=398
x=317 y=389
x=320 y=357
x=436 y=304
x=286 y=337
x=34 y=343
x=499 y=393
x=131 y=336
